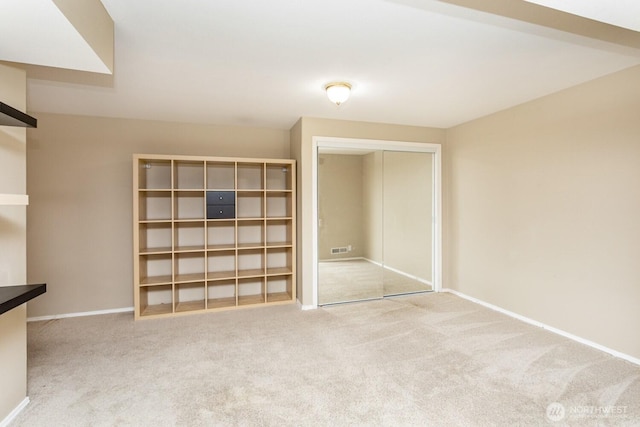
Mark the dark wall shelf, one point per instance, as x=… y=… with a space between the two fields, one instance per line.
x=9 y=116
x=13 y=296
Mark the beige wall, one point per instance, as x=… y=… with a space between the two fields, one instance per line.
x=340 y=210
x=544 y=209
x=80 y=184
x=302 y=150
x=13 y=267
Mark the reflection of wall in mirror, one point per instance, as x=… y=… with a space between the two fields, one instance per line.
x=339 y=205
x=372 y=202
x=408 y=212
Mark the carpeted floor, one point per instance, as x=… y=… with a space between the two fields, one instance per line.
x=426 y=359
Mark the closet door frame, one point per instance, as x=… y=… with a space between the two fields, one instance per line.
x=419 y=147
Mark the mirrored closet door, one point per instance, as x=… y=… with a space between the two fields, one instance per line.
x=349 y=225
x=407 y=226
x=375 y=223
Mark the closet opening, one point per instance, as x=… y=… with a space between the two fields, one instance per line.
x=377 y=211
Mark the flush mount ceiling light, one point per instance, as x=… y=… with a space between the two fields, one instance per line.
x=338 y=92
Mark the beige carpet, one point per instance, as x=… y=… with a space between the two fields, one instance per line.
x=426 y=359
x=359 y=279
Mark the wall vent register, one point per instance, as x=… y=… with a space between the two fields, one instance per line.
x=212 y=233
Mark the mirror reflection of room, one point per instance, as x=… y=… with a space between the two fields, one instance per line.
x=375 y=211
x=407 y=253
x=348 y=253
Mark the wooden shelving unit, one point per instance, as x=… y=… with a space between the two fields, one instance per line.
x=212 y=233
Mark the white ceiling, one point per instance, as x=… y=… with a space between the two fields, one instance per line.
x=264 y=63
x=622 y=13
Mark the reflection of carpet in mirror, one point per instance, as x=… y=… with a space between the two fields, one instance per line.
x=359 y=279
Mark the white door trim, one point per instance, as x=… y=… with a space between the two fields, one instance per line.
x=333 y=142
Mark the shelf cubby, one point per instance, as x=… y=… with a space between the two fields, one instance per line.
x=279 y=232
x=154 y=205
x=154 y=174
x=279 y=204
x=189 y=296
x=221 y=175
x=250 y=262
x=251 y=291
x=279 y=288
x=250 y=233
x=221 y=234
x=279 y=261
x=155 y=269
x=156 y=300
x=250 y=176
x=188 y=267
x=188 y=174
x=212 y=233
x=154 y=238
x=278 y=176
x=250 y=204
x=221 y=265
x=221 y=293
x=189 y=205
x=188 y=236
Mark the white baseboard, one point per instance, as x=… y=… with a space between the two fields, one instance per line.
x=7 y=420
x=576 y=338
x=305 y=307
x=80 y=314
